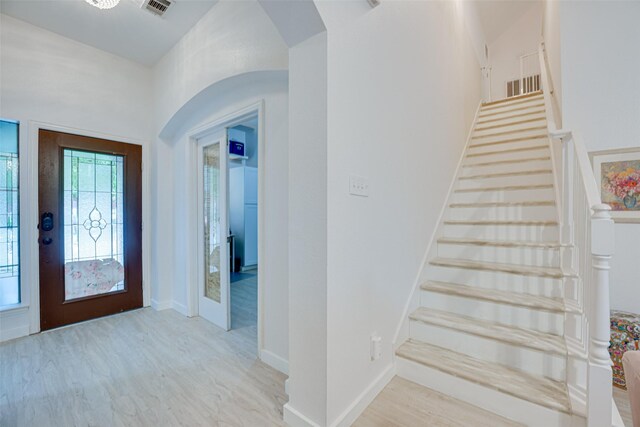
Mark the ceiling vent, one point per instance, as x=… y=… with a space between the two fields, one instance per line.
x=157 y=7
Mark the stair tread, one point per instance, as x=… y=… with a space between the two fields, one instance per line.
x=511 y=103
x=501 y=243
x=536 y=302
x=510 y=140
x=514 y=116
x=503 y=204
x=513 y=150
x=514 y=123
x=510 y=132
x=518 y=108
x=524 y=270
x=506 y=162
x=528 y=338
x=503 y=174
x=498 y=222
x=505 y=188
x=536 y=94
x=532 y=388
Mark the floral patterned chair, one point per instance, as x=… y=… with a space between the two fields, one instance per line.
x=625 y=336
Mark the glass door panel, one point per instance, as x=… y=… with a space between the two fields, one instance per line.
x=213 y=234
x=93 y=224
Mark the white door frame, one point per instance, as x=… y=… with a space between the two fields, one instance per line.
x=217 y=124
x=30 y=283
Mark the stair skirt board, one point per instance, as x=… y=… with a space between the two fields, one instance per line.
x=481 y=395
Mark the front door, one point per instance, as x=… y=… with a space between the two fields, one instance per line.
x=213 y=230
x=90 y=228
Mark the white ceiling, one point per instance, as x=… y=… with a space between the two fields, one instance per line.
x=496 y=16
x=125 y=30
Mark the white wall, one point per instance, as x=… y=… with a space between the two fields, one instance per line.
x=551 y=35
x=403 y=84
x=216 y=69
x=47 y=78
x=308 y=234
x=234 y=37
x=601 y=102
x=522 y=37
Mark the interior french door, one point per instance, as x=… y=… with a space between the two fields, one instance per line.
x=213 y=230
x=90 y=227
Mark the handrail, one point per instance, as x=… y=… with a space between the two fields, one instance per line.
x=589 y=179
x=587 y=230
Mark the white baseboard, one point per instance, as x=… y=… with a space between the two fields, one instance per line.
x=13 y=333
x=160 y=305
x=275 y=361
x=180 y=308
x=357 y=407
x=294 y=418
x=14 y=323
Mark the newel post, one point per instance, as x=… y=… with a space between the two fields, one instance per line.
x=599 y=382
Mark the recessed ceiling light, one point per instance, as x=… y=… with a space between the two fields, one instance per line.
x=103 y=4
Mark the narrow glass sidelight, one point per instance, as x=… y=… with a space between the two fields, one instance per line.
x=213 y=235
x=9 y=215
x=93 y=223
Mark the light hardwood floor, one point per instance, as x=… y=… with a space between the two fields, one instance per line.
x=621 y=397
x=141 y=368
x=406 y=404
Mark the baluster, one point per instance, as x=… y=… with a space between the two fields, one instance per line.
x=600 y=389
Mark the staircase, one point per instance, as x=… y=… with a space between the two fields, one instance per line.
x=489 y=325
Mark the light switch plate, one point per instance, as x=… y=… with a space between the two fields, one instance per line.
x=358 y=186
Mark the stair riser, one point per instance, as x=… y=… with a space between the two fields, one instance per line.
x=478 y=395
x=541 y=257
x=520 y=317
x=524 y=359
x=484 y=169
x=503 y=145
x=533 y=179
x=546 y=233
x=514 y=213
x=490 y=115
x=508 y=126
x=497 y=155
x=508 y=106
x=510 y=118
x=504 y=196
x=542 y=286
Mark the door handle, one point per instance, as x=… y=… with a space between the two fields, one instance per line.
x=47 y=241
x=46 y=222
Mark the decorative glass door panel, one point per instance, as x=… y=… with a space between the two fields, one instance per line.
x=213 y=232
x=93 y=223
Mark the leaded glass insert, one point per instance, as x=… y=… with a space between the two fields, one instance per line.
x=212 y=232
x=9 y=215
x=93 y=223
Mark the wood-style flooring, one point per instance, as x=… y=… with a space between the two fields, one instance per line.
x=149 y=368
x=140 y=368
x=621 y=397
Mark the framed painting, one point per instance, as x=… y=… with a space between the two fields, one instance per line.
x=618 y=175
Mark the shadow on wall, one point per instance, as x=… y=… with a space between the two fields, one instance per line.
x=220 y=95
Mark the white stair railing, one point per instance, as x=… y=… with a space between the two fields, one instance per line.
x=587 y=228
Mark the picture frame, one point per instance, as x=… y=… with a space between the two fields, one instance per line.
x=618 y=175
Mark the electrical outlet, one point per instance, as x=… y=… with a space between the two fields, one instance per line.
x=358 y=186
x=376 y=346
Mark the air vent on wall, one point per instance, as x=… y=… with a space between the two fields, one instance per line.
x=157 y=7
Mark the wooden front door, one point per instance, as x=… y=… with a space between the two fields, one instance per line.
x=90 y=228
